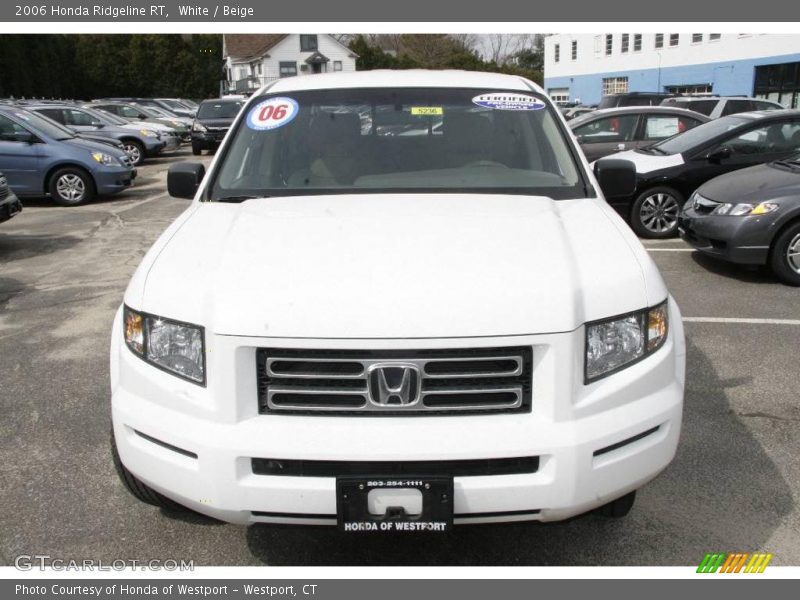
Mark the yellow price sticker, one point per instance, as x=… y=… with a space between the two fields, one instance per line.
x=426 y=110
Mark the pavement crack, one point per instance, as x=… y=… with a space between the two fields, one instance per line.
x=763 y=415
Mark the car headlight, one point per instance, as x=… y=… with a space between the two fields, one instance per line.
x=615 y=343
x=169 y=345
x=148 y=133
x=104 y=159
x=744 y=209
x=177 y=124
x=199 y=127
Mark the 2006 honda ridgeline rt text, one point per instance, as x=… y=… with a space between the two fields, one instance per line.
x=398 y=301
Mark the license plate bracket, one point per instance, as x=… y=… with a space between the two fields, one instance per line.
x=352 y=505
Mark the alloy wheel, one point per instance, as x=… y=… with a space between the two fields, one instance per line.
x=659 y=213
x=71 y=188
x=793 y=253
x=132 y=150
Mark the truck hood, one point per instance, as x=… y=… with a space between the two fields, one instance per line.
x=395 y=266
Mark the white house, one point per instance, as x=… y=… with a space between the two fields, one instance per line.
x=251 y=60
x=585 y=67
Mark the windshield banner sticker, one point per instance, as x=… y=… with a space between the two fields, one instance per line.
x=272 y=113
x=508 y=101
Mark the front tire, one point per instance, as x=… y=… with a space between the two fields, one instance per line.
x=784 y=257
x=135 y=151
x=655 y=213
x=196 y=149
x=71 y=186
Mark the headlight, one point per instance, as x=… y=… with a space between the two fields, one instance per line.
x=615 y=343
x=198 y=127
x=175 y=347
x=147 y=133
x=104 y=159
x=742 y=210
x=177 y=124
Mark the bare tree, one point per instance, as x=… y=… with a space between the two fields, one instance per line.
x=503 y=47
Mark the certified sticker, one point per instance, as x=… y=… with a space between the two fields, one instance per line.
x=508 y=101
x=272 y=113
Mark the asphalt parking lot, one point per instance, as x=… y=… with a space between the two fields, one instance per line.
x=734 y=486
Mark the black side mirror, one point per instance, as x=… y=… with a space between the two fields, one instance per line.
x=617 y=177
x=721 y=153
x=24 y=136
x=184 y=178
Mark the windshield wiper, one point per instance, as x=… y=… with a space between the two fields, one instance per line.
x=237 y=199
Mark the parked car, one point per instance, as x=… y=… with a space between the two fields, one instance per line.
x=749 y=217
x=453 y=327
x=180 y=106
x=10 y=206
x=137 y=143
x=168 y=134
x=214 y=118
x=668 y=172
x=632 y=99
x=611 y=130
x=40 y=156
x=137 y=114
x=716 y=106
x=175 y=109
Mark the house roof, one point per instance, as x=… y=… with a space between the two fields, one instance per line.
x=251 y=45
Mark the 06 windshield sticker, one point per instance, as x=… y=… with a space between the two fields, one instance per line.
x=272 y=113
x=508 y=101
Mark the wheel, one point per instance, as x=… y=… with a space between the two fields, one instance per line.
x=196 y=150
x=139 y=490
x=134 y=150
x=784 y=258
x=655 y=213
x=71 y=186
x=616 y=509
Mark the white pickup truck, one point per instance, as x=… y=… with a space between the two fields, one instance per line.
x=397 y=302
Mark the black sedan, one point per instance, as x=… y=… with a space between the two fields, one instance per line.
x=668 y=172
x=749 y=217
x=10 y=205
x=611 y=130
x=214 y=118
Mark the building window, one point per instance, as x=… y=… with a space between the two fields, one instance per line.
x=674 y=38
x=637 y=42
x=615 y=85
x=598 y=45
x=557 y=52
x=626 y=40
x=659 y=40
x=574 y=49
x=337 y=65
x=697 y=38
x=558 y=94
x=713 y=37
x=609 y=44
x=697 y=89
x=308 y=43
x=288 y=69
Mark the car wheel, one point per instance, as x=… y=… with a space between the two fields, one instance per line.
x=616 y=509
x=135 y=151
x=196 y=150
x=71 y=186
x=655 y=213
x=139 y=490
x=785 y=256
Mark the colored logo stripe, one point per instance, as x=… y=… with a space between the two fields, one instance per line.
x=734 y=562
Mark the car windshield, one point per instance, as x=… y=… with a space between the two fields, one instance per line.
x=105 y=117
x=45 y=125
x=686 y=141
x=398 y=140
x=174 y=104
x=219 y=110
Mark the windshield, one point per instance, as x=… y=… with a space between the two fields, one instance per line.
x=398 y=140
x=45 y=125
x=174 y=104
x=105 y=117
x=686 y=141
x=219 y=110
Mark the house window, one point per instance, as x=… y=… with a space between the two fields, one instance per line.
x=713 y=37
x=674 y=38
x=659 y=40
x=557 y=52
x=574 y=49
x=697 y=38
x=288 y=69
x=615 y=85
x=308 y=43
x=337 y=65
x=626 y=40
x=637 y=42
x=609 y=44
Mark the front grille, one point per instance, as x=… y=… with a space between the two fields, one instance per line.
x=371 y=382
x=449 y=468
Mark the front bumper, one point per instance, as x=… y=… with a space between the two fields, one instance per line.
x=153 y=146
x=10 y=206
x=744 y=240
x=112 y=180
x=219 y=430
x=208 y=140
